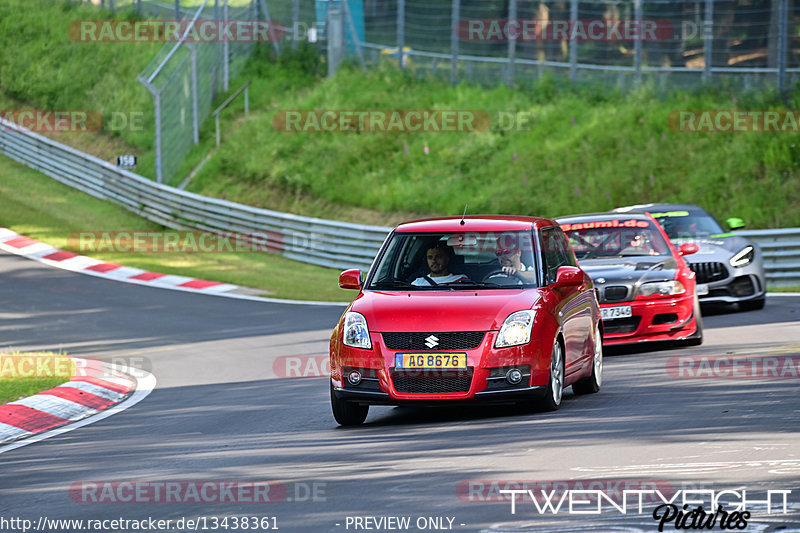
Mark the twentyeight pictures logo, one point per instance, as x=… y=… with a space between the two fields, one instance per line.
x=104 y=31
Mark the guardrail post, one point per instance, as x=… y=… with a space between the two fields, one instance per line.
x=454 y=17
x=573 y=43
x=401 y=32
x=335 y=39
x=512 y=45
x=637 y=44
x=708 y=39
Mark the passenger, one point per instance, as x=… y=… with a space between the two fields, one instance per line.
x=438 y=257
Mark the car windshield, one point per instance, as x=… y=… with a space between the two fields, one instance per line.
x=471 y=260
x=615 y=238
x=687 y=225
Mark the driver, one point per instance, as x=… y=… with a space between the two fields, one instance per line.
x=438 y=257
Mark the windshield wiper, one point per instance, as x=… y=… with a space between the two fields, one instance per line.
x=392 y=284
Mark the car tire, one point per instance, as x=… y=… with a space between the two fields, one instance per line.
x=592 y=384
x=696 y=338
x=753 y=305
x=555 y=382
x=348 y=413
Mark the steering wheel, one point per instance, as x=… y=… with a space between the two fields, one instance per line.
x=500 y=272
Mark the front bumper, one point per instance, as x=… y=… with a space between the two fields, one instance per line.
x=662 y=319
x=483 y=380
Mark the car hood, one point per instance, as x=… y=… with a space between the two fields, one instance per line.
x=460 y=310
x=630 y=270
x=715 y=248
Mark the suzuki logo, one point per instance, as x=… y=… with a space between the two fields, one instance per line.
x=431 y=341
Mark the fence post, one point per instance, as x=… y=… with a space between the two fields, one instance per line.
x=454 y=16
x=512 y=44
x=401 y=31
x=138 y=8
x=573 y=44
x=225 y=50
x=268 y=18
x=637 y=44
x=295 y=22
x=111 y=5
x=352 y=25
x=177 y=9
x=783 y=42
x=195 y=107
x=708 y=37
x=335 y=39
x=158 y=140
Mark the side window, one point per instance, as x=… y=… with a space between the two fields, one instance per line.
x=556 y=252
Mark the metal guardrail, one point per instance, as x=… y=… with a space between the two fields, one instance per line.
x=310 y=240
x=781 y=251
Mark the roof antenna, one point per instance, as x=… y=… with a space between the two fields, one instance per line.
x=464 y=215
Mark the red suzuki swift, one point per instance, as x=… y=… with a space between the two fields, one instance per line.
x=479 y=308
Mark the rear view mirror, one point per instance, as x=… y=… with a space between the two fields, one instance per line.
x=350 y=279
x=735 y=223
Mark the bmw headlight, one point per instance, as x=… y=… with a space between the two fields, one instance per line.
x=516 y=329
x=356 y=333
x=743 y=257
x=661 y=288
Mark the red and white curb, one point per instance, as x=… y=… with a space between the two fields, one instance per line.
x=14 y=243
x=96 y=391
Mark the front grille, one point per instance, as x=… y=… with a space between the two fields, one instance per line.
x=743 y=286
x=709 y=272
x=665 y=318
x=616 y=293
x=432 y=381
x=621 y=325
x=458 y=340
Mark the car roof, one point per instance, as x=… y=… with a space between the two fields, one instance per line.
x=604 y=216
x=475 y=223
x=660 y=208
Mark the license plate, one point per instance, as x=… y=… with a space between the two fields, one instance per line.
x=610 y=313
x=431 y=360
x=702 y=289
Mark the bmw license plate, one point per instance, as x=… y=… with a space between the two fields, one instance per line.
x=622 y=311
x=702 y=289
x=431 y=360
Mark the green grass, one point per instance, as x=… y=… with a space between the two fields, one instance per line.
x=39 y=207
x=20 y=377
x=586 y=150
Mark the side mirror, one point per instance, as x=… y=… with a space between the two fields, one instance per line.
x=688 y=248
x=735 y=223
x=569 y=276
x=350 y=279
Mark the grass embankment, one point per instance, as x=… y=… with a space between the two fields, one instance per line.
x=39 y=207
x=25 y=374
x=585 y=150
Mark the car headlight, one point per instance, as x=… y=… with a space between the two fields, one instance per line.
x=743 y=257
x=661 y=288
x=356 y=333
x=516 y=329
